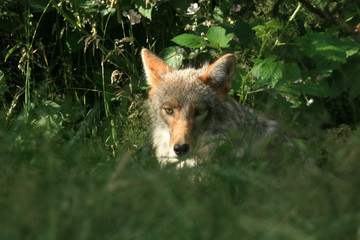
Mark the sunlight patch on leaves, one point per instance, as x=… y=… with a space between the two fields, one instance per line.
x=172 y=56
x=218 y=37
x=189 y=40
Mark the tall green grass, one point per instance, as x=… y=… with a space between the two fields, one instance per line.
x=55 y=190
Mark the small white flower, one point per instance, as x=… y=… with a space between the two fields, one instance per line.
x=309 y=102
x=230 y=20
x=235 y=8
x=208 y=23
x=187 y=27
x=299 y=80
x=133 y=16
x=194 y=7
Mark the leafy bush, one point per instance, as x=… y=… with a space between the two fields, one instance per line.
x=76 y=160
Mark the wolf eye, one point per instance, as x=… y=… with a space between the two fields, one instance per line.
x=169 y=111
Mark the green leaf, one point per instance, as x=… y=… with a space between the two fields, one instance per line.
x=260 y=30
x=257 y=60
x=350 y=46
x=146 y=11
x=86 y=5
x=218 y=14
x=332 y=53
x=289 y=90
x=274 y=23
x=268 y=72
x=291 y=93
x=274 y=72
x=71 y=111
x=48 y=118
x=291 y=72
x=217 y=37
x=270 y=59
x=17 y=46
x=190 y=41
x=107 y=10
x=172 y=56
x=327 y=50
x=320 y=90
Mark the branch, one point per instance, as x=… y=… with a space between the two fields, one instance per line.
x=333 y=19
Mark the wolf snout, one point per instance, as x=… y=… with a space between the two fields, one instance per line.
x=181 y=149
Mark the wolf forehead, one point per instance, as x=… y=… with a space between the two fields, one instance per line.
x=184 y=86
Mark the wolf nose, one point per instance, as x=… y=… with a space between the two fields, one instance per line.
x=181 y=149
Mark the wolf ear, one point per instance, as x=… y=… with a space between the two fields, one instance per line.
x=219 y=75
x=154 y=67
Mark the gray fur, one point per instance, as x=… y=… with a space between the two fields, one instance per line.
x=223 y=116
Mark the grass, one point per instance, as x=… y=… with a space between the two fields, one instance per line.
x=83 y=190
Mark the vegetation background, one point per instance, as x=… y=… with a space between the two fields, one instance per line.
x=76 y=162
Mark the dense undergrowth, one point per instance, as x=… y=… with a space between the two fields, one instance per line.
x=76 y=159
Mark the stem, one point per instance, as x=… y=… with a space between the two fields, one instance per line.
x=294 y=13
x=106 y=104
x=27 y=87
x=28 y=69
x=256 y=91
x=38 y=23
x=292 y=17
x=107 y=20
x=244 y=94
x=131 y=34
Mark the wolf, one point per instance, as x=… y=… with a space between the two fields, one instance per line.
x=191 y=112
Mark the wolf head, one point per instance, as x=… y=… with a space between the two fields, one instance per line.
x=182 y=102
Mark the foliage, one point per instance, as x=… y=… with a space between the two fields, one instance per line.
x=75 y=154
